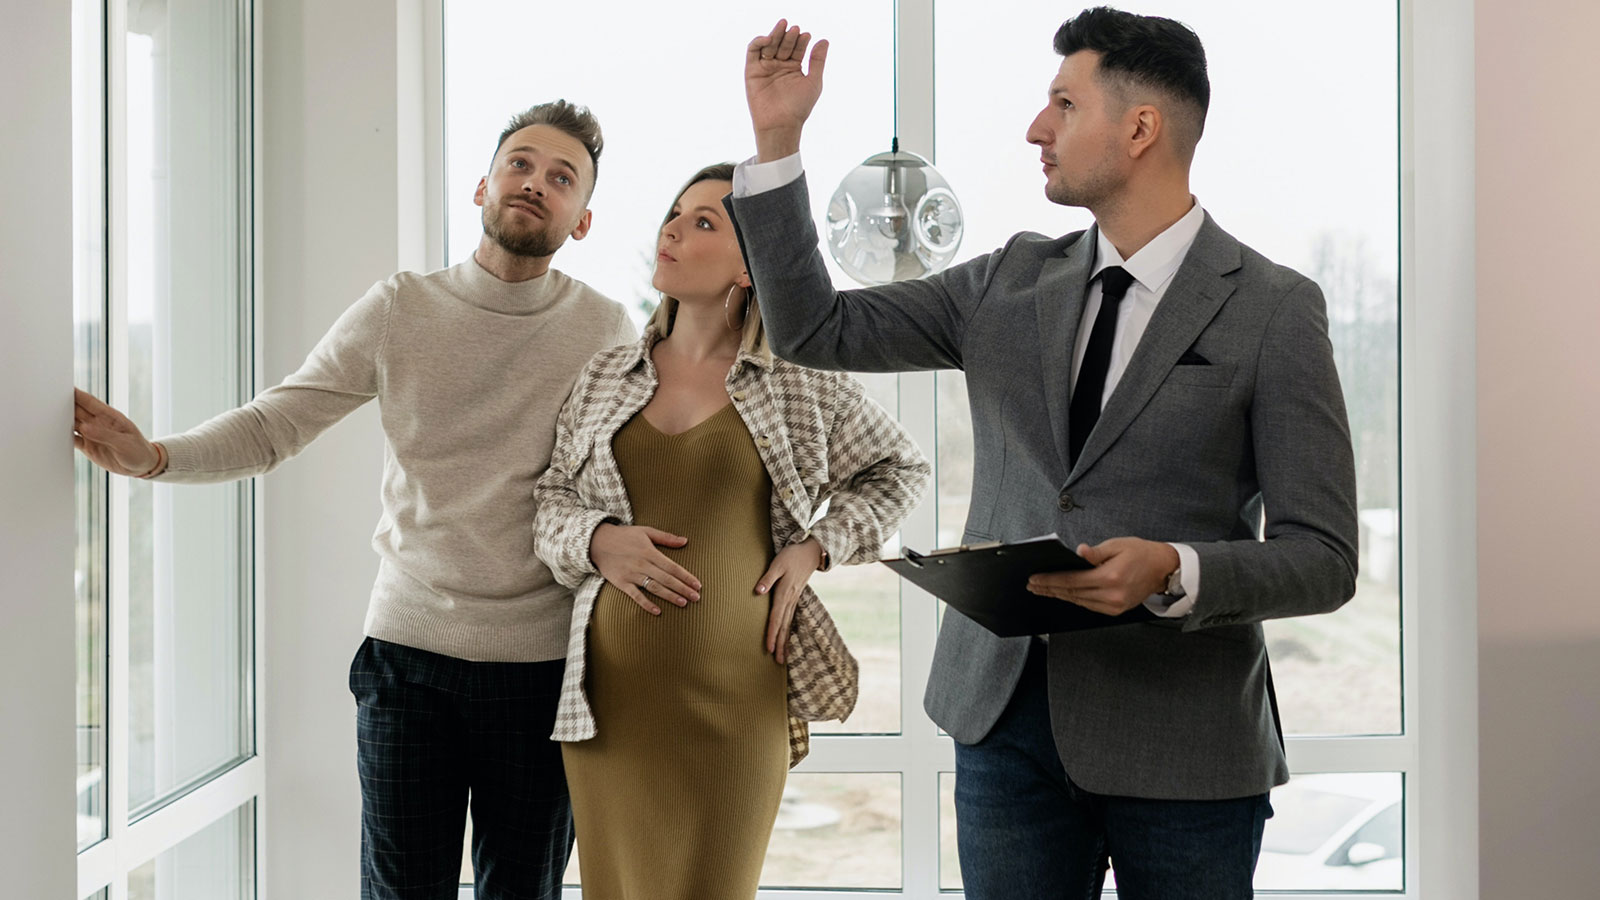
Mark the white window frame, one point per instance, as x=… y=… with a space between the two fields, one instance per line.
x=1437 y=751
x=212 y=798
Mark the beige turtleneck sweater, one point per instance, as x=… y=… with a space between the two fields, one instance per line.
x=470 y=373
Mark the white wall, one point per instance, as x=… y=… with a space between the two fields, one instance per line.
x=1538 y=220
x=37 y=669
x=329 y=171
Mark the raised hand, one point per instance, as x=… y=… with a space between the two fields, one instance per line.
x=109 y=438
x=626 y=556
x=780 y=94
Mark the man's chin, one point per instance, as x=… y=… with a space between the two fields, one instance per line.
x=1062 y=196
x=530 y=246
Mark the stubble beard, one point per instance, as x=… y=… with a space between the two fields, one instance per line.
x=1086 y=193
x=527 y=242
x=1090 y=190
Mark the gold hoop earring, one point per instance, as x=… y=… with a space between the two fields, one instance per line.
x=725 y=309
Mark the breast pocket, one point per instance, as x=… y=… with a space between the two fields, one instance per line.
x=809 y=456
x=1218 y=375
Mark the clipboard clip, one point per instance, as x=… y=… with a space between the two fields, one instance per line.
x=912 y=556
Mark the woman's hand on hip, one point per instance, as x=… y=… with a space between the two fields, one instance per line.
x=785 y=579
x=626 y=556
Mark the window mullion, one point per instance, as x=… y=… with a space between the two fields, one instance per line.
x=117 y=588
x=923 y=752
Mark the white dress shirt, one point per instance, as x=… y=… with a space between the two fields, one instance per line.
x=1152 y=268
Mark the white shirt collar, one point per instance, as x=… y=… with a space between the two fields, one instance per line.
x=1156 y=262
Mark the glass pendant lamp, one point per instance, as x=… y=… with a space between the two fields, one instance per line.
x=893 y=217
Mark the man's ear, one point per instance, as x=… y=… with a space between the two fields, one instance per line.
x=1147 y=124
x=582 y=228
x=482 y=191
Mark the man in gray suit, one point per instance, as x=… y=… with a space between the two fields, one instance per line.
x=1159 y=395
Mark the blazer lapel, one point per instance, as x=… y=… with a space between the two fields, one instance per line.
x=1197 y=292
x=1058 y=303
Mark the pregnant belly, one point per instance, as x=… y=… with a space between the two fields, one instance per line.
x=711 y=651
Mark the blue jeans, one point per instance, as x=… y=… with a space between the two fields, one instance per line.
x=1026 y=831
x=433 y=730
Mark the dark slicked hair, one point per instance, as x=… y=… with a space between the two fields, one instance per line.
x=1143 y=52
x=569 y=118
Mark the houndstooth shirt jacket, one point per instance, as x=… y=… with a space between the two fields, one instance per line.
x=820 y=438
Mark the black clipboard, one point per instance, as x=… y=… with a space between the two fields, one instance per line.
x=988 y=583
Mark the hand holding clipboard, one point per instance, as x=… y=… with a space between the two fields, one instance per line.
x=988 y=583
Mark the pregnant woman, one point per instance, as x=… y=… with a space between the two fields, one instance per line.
x=686 y=471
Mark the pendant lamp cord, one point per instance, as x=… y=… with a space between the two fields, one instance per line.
x=894 y=141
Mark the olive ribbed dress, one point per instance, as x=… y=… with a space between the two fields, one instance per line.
x=675 y=797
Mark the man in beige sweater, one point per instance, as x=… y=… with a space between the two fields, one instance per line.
x=457 y=681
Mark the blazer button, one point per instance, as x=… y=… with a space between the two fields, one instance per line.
x=738 y=395
x=1065 y=502
x=763 y=442
x=786 y=493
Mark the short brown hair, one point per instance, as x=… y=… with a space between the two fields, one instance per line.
x=571 y=119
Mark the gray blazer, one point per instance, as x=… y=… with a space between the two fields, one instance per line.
x=1227 y=432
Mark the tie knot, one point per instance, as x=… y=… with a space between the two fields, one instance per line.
x=1114 y=282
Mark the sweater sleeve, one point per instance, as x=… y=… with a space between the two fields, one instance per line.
x=876 y=475
x=342 y=372
x=626 y=333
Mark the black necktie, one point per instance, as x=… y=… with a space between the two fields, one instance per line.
x=1084 y=409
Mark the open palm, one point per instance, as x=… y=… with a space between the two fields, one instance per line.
x=781 y=94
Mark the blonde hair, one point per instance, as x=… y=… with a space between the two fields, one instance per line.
x=752 y=337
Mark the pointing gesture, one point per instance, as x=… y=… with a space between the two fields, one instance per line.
x=780 y=94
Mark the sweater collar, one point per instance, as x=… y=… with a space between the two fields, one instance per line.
x=478 y=287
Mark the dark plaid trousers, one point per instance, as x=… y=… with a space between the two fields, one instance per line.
x=432 y=730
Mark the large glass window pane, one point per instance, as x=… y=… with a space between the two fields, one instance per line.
x=89 y=373
x=217 y=863
x=1340 y=831
x=187 y=305
x=1282 y=76
x=836 y=830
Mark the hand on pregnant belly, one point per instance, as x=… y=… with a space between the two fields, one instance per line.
x=626 y=556
x=785 y=579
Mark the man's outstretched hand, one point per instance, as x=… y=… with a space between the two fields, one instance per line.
x=780 y=94
x=109 y=438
